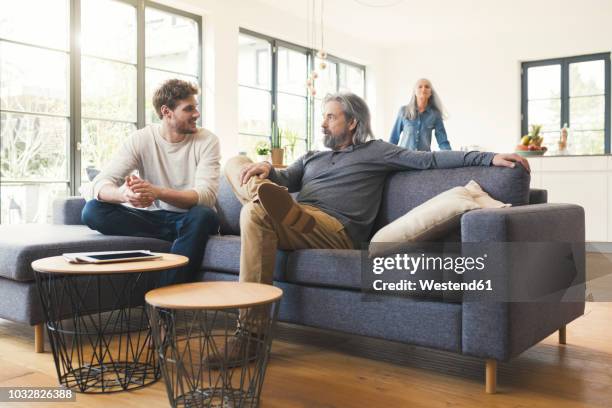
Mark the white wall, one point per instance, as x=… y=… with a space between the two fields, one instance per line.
x=476 y=67
x=222 y=20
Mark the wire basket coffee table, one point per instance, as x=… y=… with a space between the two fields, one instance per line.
x=97 y=322
x=213 y=341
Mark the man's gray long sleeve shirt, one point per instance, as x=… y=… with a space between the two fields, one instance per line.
x=348 y=184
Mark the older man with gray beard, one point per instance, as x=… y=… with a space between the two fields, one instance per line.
x=339 y=190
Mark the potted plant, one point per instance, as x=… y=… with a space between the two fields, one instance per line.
x=275 y=143
x=262 y=150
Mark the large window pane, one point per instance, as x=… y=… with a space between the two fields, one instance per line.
x=35 y=22
x=172 y=42
x=33 y=79
x=292 y=71
x=254 y=111
x=327 y=82
x=292 y=120
x=108 y=29
x=153 y=79
x=544 y=82
x=29 y=202
x=108 y=90
x=351 y=79
x=587 y=78
x=33 y=147
x=587 y=142
x=100 y=140
x=248 y=143
x=551 y=139
x=587 y=112
x=546 y=113
x=317 y=133
x=254 y=58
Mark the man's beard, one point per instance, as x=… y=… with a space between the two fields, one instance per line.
x=332 y=141
x=186 y=129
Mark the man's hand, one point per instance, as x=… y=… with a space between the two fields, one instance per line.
x=261 y=170
x=140 y=193
x=510 y=160
x=143 y=187
x=137 y=200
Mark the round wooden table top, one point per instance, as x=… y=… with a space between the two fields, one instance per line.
x=59 y=265
x=213 y=295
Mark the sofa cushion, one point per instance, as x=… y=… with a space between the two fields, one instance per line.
x=21 y=244
x=337 y=268
x=407 y=189
x=223 y=254
x=340 y=268
x=228 y=208
x=316 y=267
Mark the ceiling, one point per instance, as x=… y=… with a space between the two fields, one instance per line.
x=410 y=21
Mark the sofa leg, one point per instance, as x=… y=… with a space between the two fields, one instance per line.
x=562 y=334
x=491 y=376
x=39 y=338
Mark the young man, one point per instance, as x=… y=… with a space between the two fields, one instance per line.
x=173 y=196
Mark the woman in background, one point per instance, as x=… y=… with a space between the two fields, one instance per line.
x=416 y=121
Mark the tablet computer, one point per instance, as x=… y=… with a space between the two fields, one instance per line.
x=110 y=256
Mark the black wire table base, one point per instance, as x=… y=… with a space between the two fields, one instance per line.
x=99 y=330
x=214 y=358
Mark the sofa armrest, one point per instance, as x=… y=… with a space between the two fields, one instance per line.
x=526 y=223
x=538 y=196
x=502 y=329
x=67 y=210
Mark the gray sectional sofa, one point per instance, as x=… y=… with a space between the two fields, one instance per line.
x=322 y=287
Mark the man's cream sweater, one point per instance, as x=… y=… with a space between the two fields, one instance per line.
x=190 y=164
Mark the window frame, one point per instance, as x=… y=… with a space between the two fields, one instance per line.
x=275 y=43
x=564 y=64
x=73 y=51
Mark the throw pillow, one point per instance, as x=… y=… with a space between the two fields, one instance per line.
x=432 y=219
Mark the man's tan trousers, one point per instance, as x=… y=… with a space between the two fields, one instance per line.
x=261 y=236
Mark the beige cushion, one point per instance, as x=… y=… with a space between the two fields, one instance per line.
x=432 y=219
x=483 y=199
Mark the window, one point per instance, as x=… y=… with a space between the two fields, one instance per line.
x=66 y=105
x=272 y=92
x=108 y=80
x=254 y=91
x=34 y=108
x=573 y=91
x=292 y=101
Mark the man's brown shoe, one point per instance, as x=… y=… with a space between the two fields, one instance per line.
x=240 y=349
x=279 y=205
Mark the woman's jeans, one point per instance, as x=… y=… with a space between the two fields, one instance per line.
x=187 y=231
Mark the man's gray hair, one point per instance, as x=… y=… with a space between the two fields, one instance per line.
x=354 y=108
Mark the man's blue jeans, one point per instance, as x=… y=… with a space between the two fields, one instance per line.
x=187 y=231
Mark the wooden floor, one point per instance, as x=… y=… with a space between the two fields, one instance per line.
x=312 y=368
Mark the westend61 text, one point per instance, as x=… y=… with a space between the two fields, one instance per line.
x=405 y=285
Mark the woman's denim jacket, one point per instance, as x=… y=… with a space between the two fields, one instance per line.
x=416 y=134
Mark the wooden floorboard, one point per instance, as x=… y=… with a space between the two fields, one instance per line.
x=315 y=368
